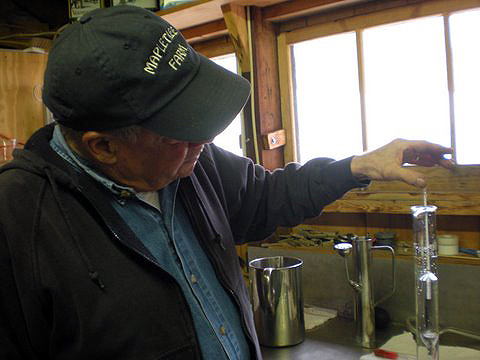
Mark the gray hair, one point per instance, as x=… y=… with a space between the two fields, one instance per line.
x=129 y=134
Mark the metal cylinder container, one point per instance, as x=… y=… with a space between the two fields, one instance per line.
x=277 y=300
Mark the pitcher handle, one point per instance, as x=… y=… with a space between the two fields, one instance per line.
x=392 y=291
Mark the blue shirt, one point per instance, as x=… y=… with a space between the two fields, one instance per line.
x=160 y=221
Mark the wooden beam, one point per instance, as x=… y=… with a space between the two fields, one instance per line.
x=203 y=11
x=235 y=18
x=287 y=98
x=368 y=15
x=445 y=207
x=266 y=87
x=236 y=22
x=292 y=9
x=205 y=31
x=460 y=179
x=218 y=46
x=181 y=7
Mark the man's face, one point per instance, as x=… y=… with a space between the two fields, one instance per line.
x=154 y=161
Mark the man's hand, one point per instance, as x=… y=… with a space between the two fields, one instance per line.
x=386 y=163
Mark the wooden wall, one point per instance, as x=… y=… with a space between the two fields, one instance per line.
x=21 y=81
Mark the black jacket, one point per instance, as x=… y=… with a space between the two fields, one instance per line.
x=76 y=283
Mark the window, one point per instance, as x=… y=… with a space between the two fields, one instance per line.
x=464 y=32
x=327 y=97
x=230 y=138
x=358 y=90
x=406 y=89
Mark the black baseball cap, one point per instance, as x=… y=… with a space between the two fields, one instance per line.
x=124 y=65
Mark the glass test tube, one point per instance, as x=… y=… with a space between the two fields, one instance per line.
x=426 y=281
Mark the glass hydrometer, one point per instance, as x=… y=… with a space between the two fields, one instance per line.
x=426 y=280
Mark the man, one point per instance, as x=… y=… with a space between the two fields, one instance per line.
x=118 y=224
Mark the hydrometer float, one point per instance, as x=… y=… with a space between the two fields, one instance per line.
x=426 y=280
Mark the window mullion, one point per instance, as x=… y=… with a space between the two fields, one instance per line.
x=361 y=86
x=451 y=86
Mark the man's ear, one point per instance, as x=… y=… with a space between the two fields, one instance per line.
x=100 y=147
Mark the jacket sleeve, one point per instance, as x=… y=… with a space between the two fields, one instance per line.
x=259 y=201
x=12 y=324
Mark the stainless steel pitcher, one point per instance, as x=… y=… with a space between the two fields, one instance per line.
x=363 y=285
x=277 y=299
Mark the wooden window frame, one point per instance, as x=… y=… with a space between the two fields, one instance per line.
x=455 y=192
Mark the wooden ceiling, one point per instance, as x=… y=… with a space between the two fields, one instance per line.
x=201 y=12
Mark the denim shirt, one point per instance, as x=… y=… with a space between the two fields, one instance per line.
x=160 y=221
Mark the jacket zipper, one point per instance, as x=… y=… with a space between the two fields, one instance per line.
x=221 y=276
x=148 y=259
x=210 y=256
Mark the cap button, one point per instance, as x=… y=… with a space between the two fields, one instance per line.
x=85 y=18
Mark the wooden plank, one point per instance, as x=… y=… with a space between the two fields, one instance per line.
x=460 y=259
x=205 y=31
x=286 y=98
x=266 y=86
x=215 y=47
x=204 y=11
x=451 y=83
x=21 y=80
x=402 y=207
x=455 y=192
x=467 y=228
x=249 y=126
x=369 y=17
x=461 y=179
x=236 y=21
x=361 y=88
x=274 y=139
x=414 y=196
x=286 y=10
x=192 y=14
x=185 y=6
x=465 y=260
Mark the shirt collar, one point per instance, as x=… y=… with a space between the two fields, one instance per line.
x=59 y=144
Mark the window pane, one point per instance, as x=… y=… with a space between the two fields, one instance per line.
x=327 y=97
x=406 y=92
x=229 y=139
x=464 y=34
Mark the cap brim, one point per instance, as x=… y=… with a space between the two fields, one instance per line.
x=205 y=107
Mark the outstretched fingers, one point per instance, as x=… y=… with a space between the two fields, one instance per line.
x=423 y=153
x=411 y=177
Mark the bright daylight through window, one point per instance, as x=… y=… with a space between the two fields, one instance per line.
x=465 y=31
x=406 y=88
x=229 y=139
x=327 y=97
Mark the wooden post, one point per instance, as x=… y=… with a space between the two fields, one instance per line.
x=266 y=87
x=235 y=17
